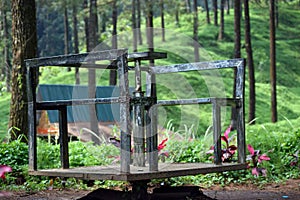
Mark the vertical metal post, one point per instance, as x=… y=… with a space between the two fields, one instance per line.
x=63 y=137
x=240 y=110
x=32 y=143
x=124 y=114
x=217 y=131
x=138 y=121
x=151 y=121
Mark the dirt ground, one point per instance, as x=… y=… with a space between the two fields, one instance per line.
x=288 y=190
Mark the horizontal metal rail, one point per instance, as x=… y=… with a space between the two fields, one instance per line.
x=76 y=102
x=196 y=66
x=72 y=60
x=221 y=101
x=87 y=60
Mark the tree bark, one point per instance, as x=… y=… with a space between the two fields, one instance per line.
x=76 y=41
x=66 y=31
x=250 y=63
x=86 y=24
x=237 y=51
x=163 y=38
x=207 y=11
x=134 y=29
x=177 y=22
x=138 y=5
x=221 y=32
x=196 y=44
x=276 y=14
x=273 y=62
x=113 y=73
x=24 y=39
x=188 y=6
x=215 y=6
x=237 y=29
x=149 y=10
x=228 y=7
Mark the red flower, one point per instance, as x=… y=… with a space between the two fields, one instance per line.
x=162 y=144
x=3 y=170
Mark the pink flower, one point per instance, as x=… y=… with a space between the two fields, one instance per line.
x=162 y=144
x=3 y=170
x=251 y=150
x=263 y=157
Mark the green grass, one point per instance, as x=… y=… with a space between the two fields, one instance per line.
x=4 y=113
x=180 y=50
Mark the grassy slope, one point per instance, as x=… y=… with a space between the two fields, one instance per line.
x=288 y=60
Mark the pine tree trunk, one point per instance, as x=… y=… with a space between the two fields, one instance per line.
x=163 y=39
x=207 y=11
x=221 y=32
x=273 y=62
x=134 y=29
x=177 y=22
x=196 y=44
x=188 y=6
x=86 y=24
x=237 y=29
x=150 y=26
x=24 y=46
x=228 y=6
x=215 y=6
x=237 y=51
x=76 y=41
x=113 y=73
x=66 y=31
x=250 y=63
x=138 y=4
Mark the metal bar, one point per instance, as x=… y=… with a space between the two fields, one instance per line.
x=76 y=102
x=32 y=142
x=138 y=121
x=75 y=59
x=63 y=137
x=138 y=133
x=146 y=56
x=196 y=66
x=124 y=115
x=241 y=139
x=151 y=122
x=216 y=132
x=240 y=110
x=222 y=101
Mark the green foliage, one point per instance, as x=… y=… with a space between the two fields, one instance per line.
x=80 y=154
x=187 y=151
x=14 y=154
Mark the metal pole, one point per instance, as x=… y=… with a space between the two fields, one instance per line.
x=124 y=114
x=138 y=121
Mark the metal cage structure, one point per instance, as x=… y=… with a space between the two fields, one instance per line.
x=138 y=117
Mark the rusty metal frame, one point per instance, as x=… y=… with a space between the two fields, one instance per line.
x=142 y=128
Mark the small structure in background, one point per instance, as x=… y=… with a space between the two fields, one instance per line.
x=78 y=117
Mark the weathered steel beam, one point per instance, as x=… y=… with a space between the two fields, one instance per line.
x=221 y=101
x=63 y=137
x=196 y=66
x=32 y=141
x=75 y=59
x=124 y=115
x=75 y=102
